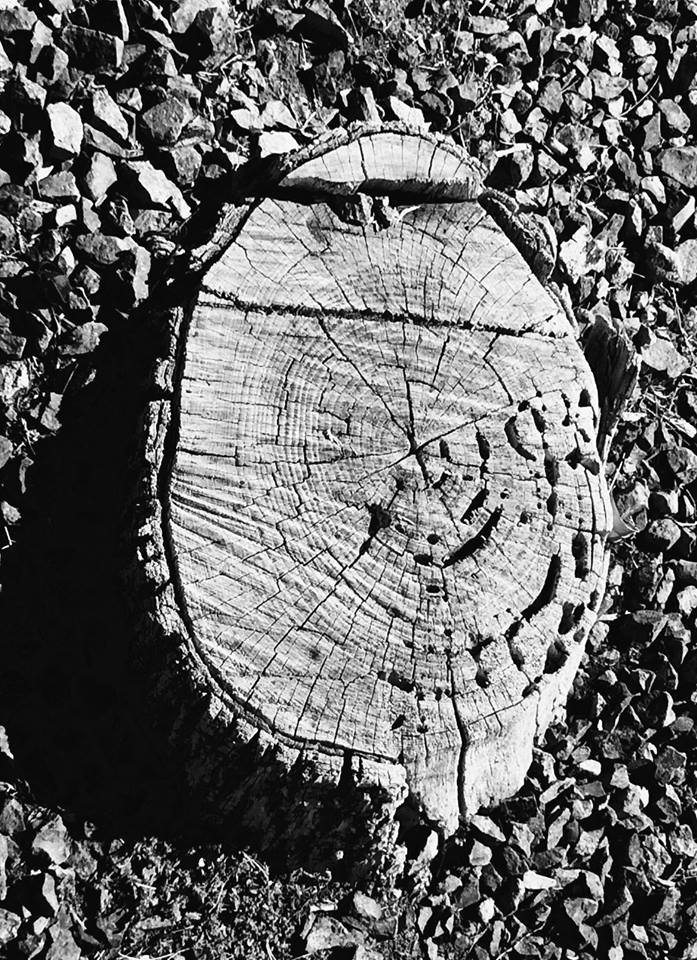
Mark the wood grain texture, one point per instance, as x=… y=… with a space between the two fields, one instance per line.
x=383 y=511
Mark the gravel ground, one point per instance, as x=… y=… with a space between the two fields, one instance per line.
x=119 y=119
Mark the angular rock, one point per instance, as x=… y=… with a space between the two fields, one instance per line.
x=150 y=187
x=162 y=124
x=607 y=87
x=522 y=837
x=9 y=926
x=479 y=854
x=64 y=131
x=99 y=177
x=212 y=32
x=16 y=18
x=681 y=462
x=149 y=222
x=412 y=116
x=116 y=218
x=641 y=46
x=48 y=895
x=184 y=163
x=6 y=448
x=101 y=250
x=487 y=26
x=109 y=16
x=578 y=910
x=662 y=356
x=21 y=93
x=107 y=115
x=62 y=942
x=687 y=601
x=99 y=140
x=509 y=862
x=573 y=253
x=134 y=272
x=686 y=254
x=681 y=841
x=537 y=881
x=10 y=515
x=680 y=165
x=52 y=841
x=11 y=346
x=82 y=340
x=8 y=235
x=366 y=907
x=276 y=143
x=4 y=856
x=51 y=65
x=276 y=115
x=674 y=117
x=59 y=187
x=487 y=829
x=320 y=23
x=92 y=49
x=247 y=119
x=327 y=933
x=670 y=765
x=11 y=817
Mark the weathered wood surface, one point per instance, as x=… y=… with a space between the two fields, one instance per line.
x=377 y=514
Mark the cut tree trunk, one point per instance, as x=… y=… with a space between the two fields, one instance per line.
x=373 y=520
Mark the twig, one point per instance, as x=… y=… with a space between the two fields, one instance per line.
x=258 y=866
x=640 y=100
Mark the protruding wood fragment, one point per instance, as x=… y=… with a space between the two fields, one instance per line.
x=383 y=511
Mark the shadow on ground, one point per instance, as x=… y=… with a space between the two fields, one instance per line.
x=71 y=701
x=88 y=731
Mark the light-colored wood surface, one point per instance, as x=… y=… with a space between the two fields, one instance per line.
x=386 y=511
x=382 y=160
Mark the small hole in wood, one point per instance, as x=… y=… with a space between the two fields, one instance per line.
x=517 y=656
x=581 y=550
x=566 y=624
x=551 y=469
x=539 y=420
x=397 y=680
x=478 y=501
x=557 y=655
x=482 y=677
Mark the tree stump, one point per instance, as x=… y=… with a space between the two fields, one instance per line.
x=374 y=512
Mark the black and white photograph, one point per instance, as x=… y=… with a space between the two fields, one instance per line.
x=348 y=480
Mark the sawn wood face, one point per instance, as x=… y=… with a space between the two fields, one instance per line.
x=386 y=508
